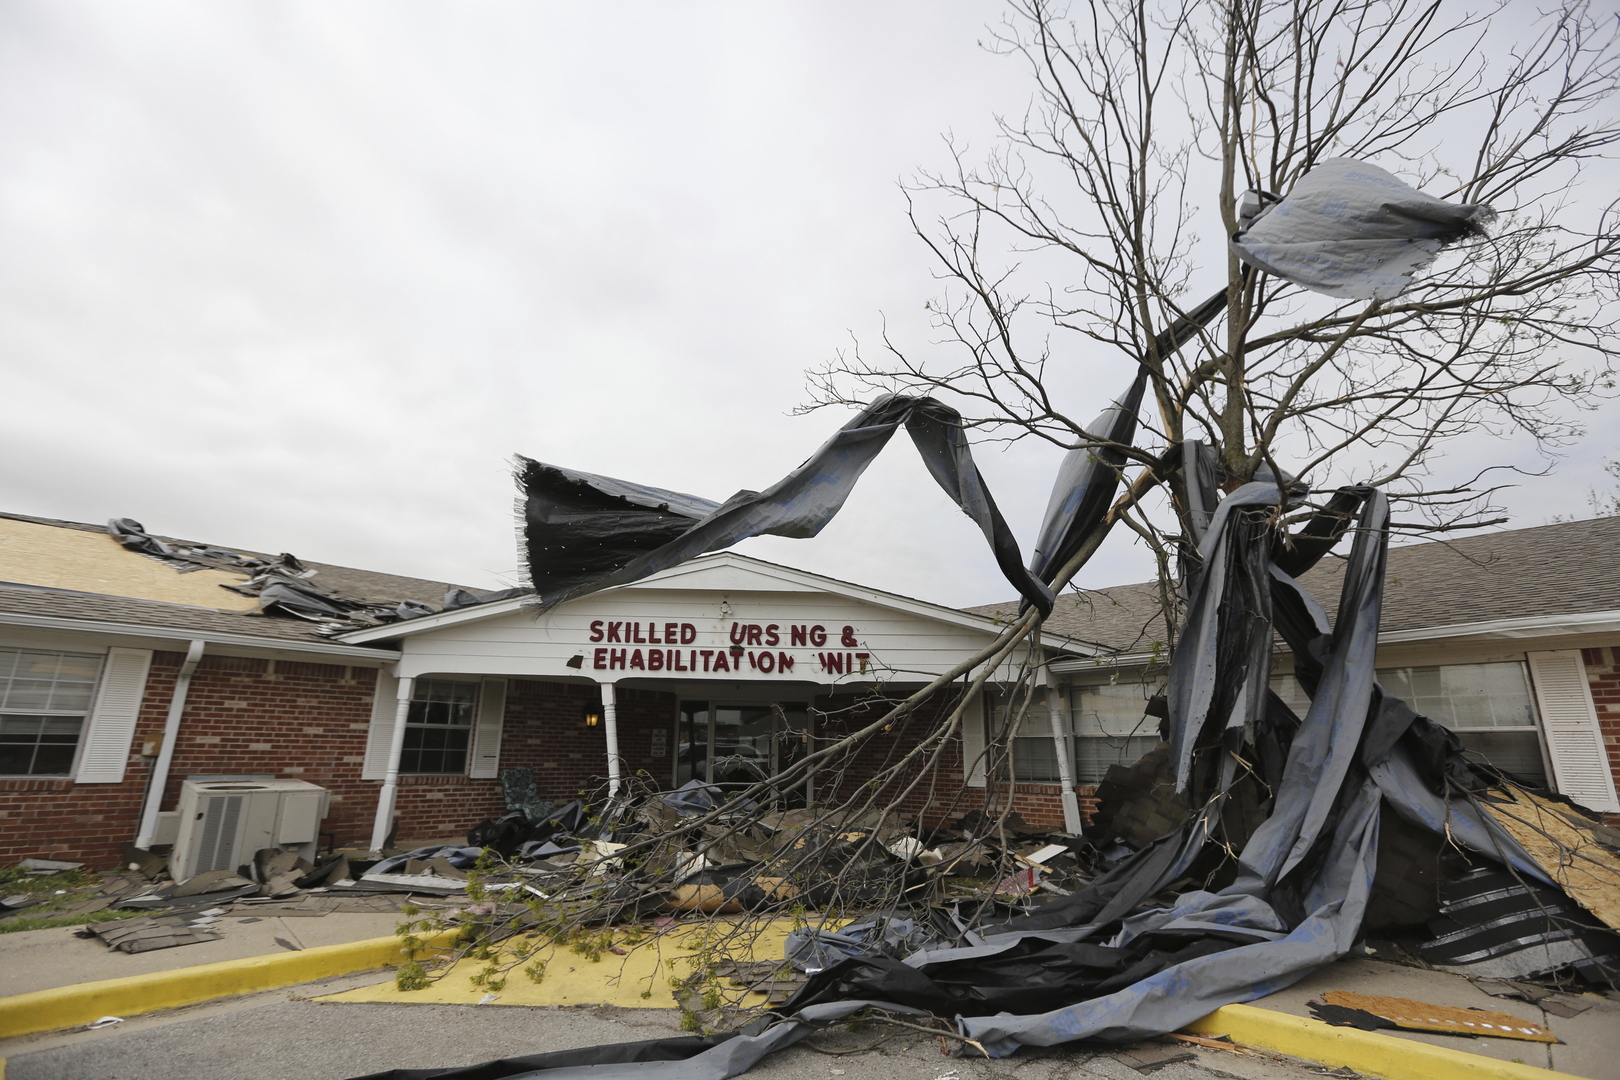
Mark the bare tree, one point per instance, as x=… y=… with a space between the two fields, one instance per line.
x=1078 y=234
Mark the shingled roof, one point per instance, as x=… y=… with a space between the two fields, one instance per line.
x=1564 y=569
x=45 y=601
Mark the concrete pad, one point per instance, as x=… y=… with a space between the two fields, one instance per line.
x=640 y=979
x=45 y=959
x=1591 y=1046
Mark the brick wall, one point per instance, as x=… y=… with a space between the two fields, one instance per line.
x=1603 y=675
x=937 y=796
x=545 y=730
x=58 y=819
x=310 y=721
x=243 y=715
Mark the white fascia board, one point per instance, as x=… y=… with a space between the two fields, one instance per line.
x=423 y=623
x=1529 y=627
x=1533 y=626
x=799 y=578
x=169 y=633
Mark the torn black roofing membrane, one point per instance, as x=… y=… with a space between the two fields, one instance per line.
x=285 y=586
x=586 y=532
x=1122 y=958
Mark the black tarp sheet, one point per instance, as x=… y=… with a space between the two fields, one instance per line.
x=584 y=532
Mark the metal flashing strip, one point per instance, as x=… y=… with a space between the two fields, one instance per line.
x=169 y=633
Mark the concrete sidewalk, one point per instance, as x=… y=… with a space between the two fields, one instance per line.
x=1591 y=1045
x=44 y=959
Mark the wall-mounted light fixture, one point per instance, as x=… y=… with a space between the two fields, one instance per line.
x=593 y=715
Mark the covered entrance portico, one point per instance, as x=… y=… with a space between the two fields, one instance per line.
x=724 y=670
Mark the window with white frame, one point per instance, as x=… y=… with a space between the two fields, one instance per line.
x=438 y=727
x=1487 y=705
x=44 y=699
x=1034 y=754
x=1111 y=726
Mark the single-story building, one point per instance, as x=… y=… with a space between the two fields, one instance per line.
x=128 y=670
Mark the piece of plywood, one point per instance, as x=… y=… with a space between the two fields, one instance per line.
x=57 y=558
x=1571 y=855
x=1421 y=1016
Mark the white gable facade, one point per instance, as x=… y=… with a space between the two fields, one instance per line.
x=721 y=632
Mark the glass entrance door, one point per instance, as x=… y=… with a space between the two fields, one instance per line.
x=734 y=746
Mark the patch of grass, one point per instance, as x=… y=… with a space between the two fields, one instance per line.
x=18 y=880
x=46 y=922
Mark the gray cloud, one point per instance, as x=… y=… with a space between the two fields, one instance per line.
x=303 y=275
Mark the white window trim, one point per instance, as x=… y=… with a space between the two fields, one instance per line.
x=472 y=729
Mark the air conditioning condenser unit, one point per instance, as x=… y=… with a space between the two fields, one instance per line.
x=223 y=823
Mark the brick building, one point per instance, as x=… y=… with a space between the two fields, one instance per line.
x=120 y=676
x=718 y=668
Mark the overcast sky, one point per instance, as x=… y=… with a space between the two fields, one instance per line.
x=304 y=276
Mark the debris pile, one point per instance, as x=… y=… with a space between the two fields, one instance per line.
x=141 y=908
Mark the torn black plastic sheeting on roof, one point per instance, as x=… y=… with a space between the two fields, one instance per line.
x=585 y=532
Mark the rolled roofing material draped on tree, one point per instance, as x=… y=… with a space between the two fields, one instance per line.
x=585 y=532
x=1220 y=668
x=1088 y=476
x=1351 y=230
x=579 y=527
x=1085 y=483
x=1304 y=879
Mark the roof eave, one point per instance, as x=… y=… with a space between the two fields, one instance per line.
x=170 y=633
x=893 y=601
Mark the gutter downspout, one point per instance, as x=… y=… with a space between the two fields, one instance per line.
x=1060 y=741
x=381 y=827
x=610 y=727
x=159 y=778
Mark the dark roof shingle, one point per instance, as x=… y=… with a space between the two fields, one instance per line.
x=1563 y=569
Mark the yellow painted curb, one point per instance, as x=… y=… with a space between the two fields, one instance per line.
x=68 y=1006
x=1364 y=1051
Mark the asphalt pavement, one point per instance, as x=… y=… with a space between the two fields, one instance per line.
x=281 y=1035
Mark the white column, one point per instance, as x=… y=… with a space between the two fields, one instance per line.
x=1060 y=741
x=610 y=726
x=396 y=746
x=171 y=732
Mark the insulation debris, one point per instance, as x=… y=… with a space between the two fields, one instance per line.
x=1580 y=854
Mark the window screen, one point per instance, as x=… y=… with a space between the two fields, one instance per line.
x=44 y=698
